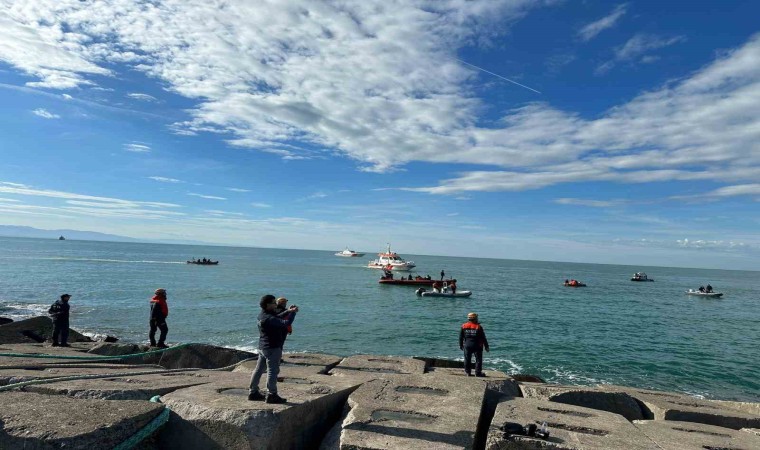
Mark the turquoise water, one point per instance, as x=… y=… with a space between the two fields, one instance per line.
x=613 y=331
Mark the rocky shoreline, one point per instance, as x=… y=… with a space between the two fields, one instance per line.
x=356 y=402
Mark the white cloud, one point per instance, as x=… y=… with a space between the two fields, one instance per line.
x=8 y=200
x=66 y=97
x=142 y=97
x=238 y=190
x=317 y=195
x=636 y=47
x=261 y=205
x=590 y=31
x=137 y=148
x=166 y=180
x=45 y=114
x=209 y=197
x=16 y=189
x=220 y=213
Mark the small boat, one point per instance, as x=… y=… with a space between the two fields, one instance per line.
x=61 y=238
x=390 y=261
x=641 y=276
x=704 y=294
x=574 y=283
x=204 y=263
x=348 y=253
x=423 y=293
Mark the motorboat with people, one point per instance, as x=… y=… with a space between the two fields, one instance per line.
x=422 y=292
x=699 y=293
x=348 y=253
x=203 y=262
x=641 y=276
x=391 y=261
x=418 y=280
x=574 y=283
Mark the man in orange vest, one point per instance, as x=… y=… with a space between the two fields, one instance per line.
x=472 y=339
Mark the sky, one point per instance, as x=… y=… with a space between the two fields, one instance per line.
x=585 y=131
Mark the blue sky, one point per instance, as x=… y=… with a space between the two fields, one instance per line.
x=314 y=124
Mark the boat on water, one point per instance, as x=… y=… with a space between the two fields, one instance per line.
x=704 y=294
x=203 y=263
x=391 y=261
x=421 y=292
x=641 y=276
x=420 y=282
x=574 y=283
x=61 y=238
x=348 y=253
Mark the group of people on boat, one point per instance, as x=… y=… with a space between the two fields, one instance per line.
x=573 y=283
x=707 y=290
x=388 y=275
x=445 y=286
x=201 y=261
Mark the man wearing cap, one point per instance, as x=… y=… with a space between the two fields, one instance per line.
x=59 y=313
x=159 y=311
x=272 y=332
x=472 y=339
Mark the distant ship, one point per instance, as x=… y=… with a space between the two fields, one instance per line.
x=61 y=238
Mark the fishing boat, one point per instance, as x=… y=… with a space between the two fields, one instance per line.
x=421 y=292
x=391 y=261
x=574 y=283
x=203 y=263
x=704 y=294
x=347 y=253
x=420 y=282
x=641 y=276
x=61 y=238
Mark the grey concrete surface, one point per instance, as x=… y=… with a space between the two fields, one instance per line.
x=674 y=435
x=369 y=367
x=571 y=427
x=612 y=400
x=494 y=379
x=413 y=411
x=41 y=422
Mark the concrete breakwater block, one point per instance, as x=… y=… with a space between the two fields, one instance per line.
x=612 y=400
x=119 y=349
x=494 y=380
x=316 y=362
x=659 y=405
x=674 y=435
x=126 y=387
x=218 y=415
x=414 y=412
x=35 y=329
x=194 y=356
x=373 y=366
x=38 y=422
x=571 y=427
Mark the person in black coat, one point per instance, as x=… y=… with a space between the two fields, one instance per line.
x=59 y=313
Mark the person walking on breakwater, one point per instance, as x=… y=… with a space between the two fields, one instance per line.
x=472 y=339
x=159 y=311
x=272 y=331
x=59 y=313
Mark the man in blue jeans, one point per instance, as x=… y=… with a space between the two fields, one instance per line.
x=272 y=333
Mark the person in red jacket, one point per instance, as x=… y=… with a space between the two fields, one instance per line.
x=159 y=311
x=472 y=339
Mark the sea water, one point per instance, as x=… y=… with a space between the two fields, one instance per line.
x=648 y=335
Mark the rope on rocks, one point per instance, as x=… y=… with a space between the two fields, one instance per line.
x=97 y=357
x=148 y=429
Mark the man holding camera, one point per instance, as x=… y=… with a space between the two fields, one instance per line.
x=272 y=333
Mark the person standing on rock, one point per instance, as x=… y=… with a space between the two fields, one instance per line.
x=472 y=339
x=59 y=313
x=272 y=332
x=159 y=311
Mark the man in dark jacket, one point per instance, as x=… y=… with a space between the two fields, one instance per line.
x=272 y=332
x=59 y=313
x=159 y=311
x=472 y=339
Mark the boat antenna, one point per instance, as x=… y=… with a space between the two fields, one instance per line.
x=498 y=76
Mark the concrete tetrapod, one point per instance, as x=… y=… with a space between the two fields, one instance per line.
x=38 y=422
x=369 y=367
x=571 y=427
x=659 y=405
x=674 y=435
x=219 y=416
x=414 y=412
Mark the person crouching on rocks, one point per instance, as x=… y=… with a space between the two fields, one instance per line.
x=59 y=313
x=472 y=339
x=272 y=332
x=159 y=311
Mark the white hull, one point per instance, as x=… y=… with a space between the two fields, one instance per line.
x=397 y=267
x=704 y=294
x=351 y=255
x=447 y=294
